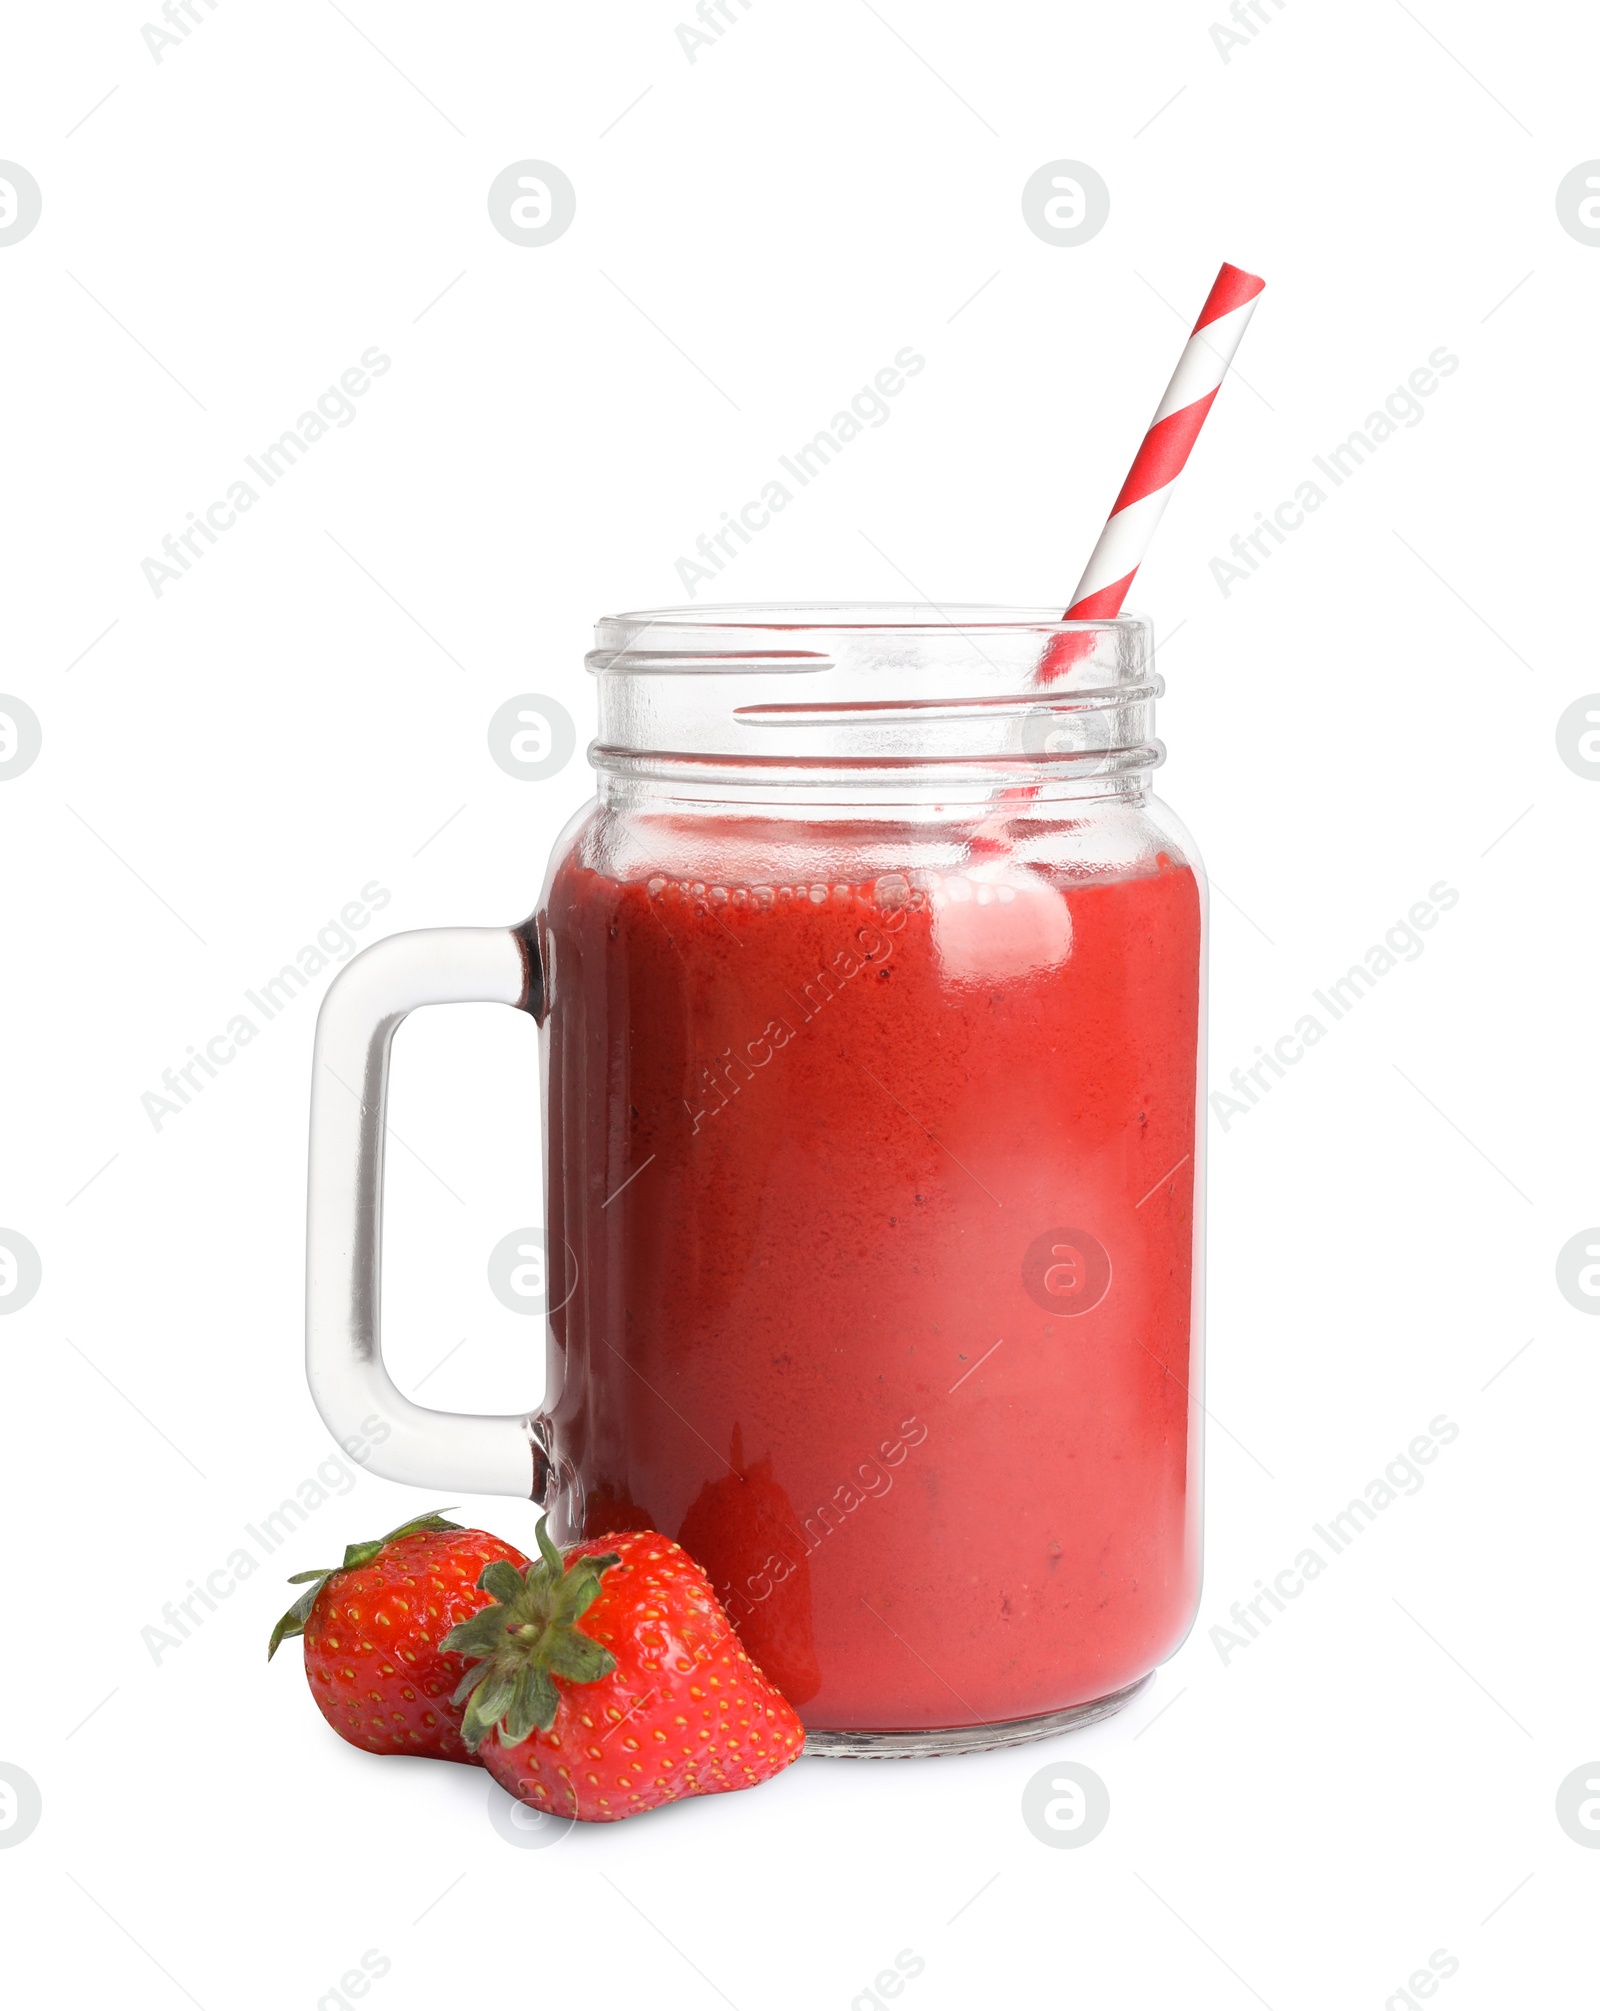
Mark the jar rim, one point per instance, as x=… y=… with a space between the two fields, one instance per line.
x=868 y=617
x=874 y=685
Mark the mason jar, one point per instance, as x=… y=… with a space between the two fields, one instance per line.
x=870 y=989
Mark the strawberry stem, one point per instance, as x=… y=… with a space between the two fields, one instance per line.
x=526 y=1638
x=355 y=1556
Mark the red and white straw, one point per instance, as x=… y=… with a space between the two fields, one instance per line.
x=1165 y=447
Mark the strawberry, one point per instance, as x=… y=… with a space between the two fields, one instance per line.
x=652 y=1699
x=370 y=1626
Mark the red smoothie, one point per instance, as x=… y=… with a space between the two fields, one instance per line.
x=880 y=1190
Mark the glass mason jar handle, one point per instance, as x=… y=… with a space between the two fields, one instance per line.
x=349 y=1101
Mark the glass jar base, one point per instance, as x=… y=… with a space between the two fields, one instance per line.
x=934 y=1744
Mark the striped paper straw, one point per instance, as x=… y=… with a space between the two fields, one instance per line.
x=1165 y=447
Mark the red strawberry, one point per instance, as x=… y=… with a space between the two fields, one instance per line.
x=370 y=1627
x=653 y=1698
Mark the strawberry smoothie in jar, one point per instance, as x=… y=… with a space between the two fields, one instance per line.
x=871 y=996
x=874 y=1022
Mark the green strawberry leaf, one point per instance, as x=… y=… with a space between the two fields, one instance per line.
x=582 y=1585
x=547 y=1549
x=534 y=1703
x=486 y=1706
x=580 y=1658
x=481 y=1634
x=356 y=1555
x=294 y=1621
x=525 y=1639
x=502 y=1578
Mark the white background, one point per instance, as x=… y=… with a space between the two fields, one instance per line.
x=225 y=765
